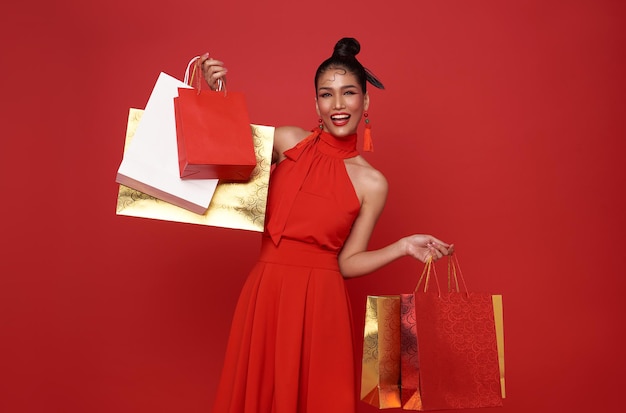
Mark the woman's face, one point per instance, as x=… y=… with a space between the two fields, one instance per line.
x=340 y=102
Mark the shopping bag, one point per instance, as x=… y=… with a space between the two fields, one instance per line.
x=213 y=132
x=452 y=346
x=234 y=205
x=409 y=360
x=380 y=373
x=150 y=162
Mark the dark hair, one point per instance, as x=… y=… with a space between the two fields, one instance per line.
x=344 y=57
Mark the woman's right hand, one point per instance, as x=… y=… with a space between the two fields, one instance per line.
x=212 y=70
x=423 y=247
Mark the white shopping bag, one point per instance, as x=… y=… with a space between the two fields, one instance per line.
x=150 y=162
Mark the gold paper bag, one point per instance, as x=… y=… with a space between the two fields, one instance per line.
x=380 y=374
x=499 y=321
x=234 y=205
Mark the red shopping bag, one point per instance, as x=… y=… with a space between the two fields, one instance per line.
x=452 y=352
x=213 y=133
x=409 y=360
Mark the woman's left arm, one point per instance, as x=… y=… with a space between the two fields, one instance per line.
x=355 y=260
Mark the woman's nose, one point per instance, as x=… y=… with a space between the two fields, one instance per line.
x=338 y=103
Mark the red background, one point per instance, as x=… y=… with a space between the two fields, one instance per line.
x=501 y=130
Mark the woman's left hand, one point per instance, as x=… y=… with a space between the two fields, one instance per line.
x=422 y=247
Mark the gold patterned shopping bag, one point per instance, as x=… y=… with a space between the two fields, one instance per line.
x=380 y=374
x=233 y=205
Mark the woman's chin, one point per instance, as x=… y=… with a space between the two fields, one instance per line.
x=341 y=130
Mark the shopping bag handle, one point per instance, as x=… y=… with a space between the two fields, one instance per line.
x=189 y=78
x=429 y=267
x=453 y=269
x=454 y=273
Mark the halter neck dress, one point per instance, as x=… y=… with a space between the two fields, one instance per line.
x=290 y=347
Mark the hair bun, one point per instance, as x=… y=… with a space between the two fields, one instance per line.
x=347 y=47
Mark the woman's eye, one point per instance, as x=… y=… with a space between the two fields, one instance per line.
x=325 y=95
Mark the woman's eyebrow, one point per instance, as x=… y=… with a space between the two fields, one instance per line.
x=332 y=88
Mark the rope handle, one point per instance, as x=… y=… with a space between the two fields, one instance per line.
x=453 y=269
x=189 y=78
x=454 y=272
x=428 y=267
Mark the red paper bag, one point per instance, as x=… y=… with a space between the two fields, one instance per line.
x=450 y=354
x=409 y=360
x=213 y=135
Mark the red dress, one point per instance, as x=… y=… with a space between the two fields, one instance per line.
x=290 y=347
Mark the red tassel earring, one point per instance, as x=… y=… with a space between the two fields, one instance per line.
x=368 y=145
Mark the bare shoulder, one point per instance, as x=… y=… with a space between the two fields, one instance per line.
x=286 y=137
x=367 y=180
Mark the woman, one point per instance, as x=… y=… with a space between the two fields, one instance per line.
x=290 y=348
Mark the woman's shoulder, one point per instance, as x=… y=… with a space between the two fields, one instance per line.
x=366 y=169
x=292 y=130
x=286 y=137
x=367 y=178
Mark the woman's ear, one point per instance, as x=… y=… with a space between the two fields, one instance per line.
x=317 y=107
x=366 y=101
